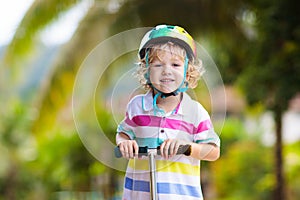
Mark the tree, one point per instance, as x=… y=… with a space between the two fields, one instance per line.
x=273 y=74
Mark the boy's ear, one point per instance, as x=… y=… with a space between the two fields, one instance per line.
x=187 y=77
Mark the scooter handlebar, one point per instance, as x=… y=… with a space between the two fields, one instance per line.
x=143 y=151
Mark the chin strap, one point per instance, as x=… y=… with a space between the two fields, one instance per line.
x=155 y=107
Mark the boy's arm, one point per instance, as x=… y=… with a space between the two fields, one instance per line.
x=120 y=137
x=200 y=151
x=205 y=151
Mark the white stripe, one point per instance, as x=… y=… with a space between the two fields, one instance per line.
x=166 y=177
x=169 y=177
x=177 y=197
x=135 y=195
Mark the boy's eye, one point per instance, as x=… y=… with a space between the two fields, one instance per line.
x=176 y=65
x=156 y=64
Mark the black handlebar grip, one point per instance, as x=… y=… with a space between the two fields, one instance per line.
x=142 y=151
x=183 y=149
x=117 y=152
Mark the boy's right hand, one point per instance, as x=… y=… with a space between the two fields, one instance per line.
x=129 y=149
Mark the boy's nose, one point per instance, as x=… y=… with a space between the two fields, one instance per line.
x=166 y=69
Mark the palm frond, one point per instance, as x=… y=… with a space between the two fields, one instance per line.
x=40 y=14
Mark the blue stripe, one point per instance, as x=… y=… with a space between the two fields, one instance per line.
x=212 y=140
x=149 y=142
x=163 y=188
x=130 y=133
x=168 y=188
x=142 y=186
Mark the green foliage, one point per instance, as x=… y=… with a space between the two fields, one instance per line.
x=272 y=76
x=244 y=170
x=244 y=173
x=107 y=123
x=217 y=32
x=232 y=131
x=292 y=170
x=57 y=148
x=274 y=66
x=59 y=91
x=63 y=164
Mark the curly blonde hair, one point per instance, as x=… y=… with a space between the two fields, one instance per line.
x=194 y=71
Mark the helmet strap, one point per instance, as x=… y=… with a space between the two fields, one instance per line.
x=155 y=107
x=147 y=74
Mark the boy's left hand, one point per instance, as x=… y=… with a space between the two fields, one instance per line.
x=170 y=147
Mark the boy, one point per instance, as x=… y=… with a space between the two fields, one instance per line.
x=167 y=117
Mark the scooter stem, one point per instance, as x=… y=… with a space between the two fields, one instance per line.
x=152 y=170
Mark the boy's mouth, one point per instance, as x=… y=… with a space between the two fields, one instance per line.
x=166 y=80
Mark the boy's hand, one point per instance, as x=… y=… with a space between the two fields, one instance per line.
x=129 y=148
x=171 y=146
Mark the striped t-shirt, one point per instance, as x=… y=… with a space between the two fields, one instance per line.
x=178 y=177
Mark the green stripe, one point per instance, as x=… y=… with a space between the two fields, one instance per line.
x=149 y=142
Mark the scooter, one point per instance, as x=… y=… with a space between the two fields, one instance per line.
x=151 y=153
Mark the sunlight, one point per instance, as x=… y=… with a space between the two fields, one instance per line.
x=63 y=29
x=11 y=14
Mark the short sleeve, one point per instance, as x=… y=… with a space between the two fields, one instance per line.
x=126 y=126
x=205 y=132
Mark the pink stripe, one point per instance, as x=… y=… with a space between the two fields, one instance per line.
x=204 y=126
x=129 y=121
x=180 y=125
x=154 y=121
x=146 y=120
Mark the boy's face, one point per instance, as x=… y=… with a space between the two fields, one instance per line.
x=167 y=71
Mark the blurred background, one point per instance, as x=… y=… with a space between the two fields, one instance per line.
x=255 y=44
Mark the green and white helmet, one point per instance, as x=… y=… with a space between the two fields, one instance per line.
x=168 y=33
